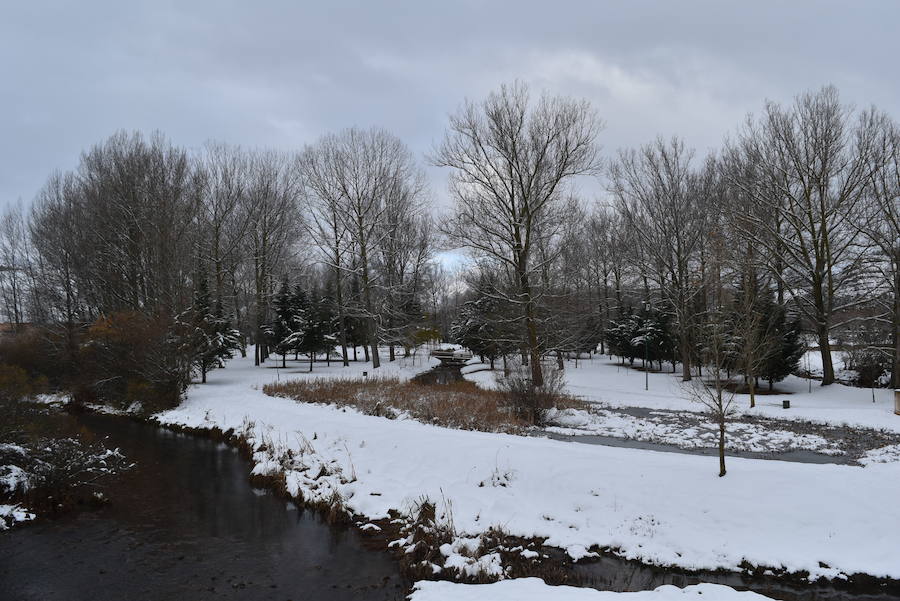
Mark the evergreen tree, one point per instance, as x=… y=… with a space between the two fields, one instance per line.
x=483 y=328
x=787 y=347
x=317 y=333
x=210 y=340
x=282 y=331
x=621 y=333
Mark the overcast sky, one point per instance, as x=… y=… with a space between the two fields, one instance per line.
x=282 y=73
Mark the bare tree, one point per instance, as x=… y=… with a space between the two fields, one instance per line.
x=715 y=395
x=660 y=199
x=373 y=169
x=320 y=168
x=511 y=161
x=14 y=267
x=271 y=202
x=879 y=221
x=809 y=166
x=222 y=178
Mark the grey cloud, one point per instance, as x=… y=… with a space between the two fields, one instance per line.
x=282 y=73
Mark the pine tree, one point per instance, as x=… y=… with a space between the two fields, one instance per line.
x=787 y=348
x=316 y=329
x=228 y=339
x=484 y=329
x=282 y=331
x=209 y=338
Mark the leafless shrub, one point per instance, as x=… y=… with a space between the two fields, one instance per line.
x=530 y=402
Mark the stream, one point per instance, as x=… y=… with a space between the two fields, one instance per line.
x=185 y=523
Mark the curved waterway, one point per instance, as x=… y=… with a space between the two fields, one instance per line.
x=186 y=524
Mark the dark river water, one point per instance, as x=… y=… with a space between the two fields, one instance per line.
x=186 y=524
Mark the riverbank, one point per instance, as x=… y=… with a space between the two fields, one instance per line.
x=812 y=521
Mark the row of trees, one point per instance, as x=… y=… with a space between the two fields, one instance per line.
x=187 y=249
x=794 y=221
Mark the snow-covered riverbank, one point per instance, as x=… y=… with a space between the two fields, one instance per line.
x=664 y=508
x=533 y=589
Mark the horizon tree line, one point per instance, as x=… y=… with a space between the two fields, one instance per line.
x=796 y=217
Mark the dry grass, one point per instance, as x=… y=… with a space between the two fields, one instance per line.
x=460 y=405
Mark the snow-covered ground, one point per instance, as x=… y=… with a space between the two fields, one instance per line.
x=686 y=430
x=534 y=589
x=602 y=380
x=657 y=507
x=13 y=479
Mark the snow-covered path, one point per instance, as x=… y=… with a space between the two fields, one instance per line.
x=657 y=507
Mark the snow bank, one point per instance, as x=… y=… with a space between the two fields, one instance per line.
x=656 y=507
x=10 y=514
x=888 y=454
x=534 y=589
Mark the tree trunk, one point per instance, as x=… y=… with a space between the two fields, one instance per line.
x=895 y=337
x=312 y=357
x=751 y=382
x=825 y=351
x=367 y=296
x=685 y=359
x=721 y=446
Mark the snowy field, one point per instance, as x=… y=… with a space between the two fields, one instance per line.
x=657 y=507
x=601 y=380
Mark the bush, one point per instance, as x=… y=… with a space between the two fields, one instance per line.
x=872 y=367
x=30 y=351
x=130 y=357
x=530 y=402
x=14 y=383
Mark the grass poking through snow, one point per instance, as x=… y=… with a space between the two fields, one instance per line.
x=460 y=405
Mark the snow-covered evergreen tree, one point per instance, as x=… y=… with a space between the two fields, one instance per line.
x=209 y=338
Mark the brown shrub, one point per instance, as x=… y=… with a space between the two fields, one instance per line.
x=14 y=383
x=29 y=350
x=533 y=402
x=459 y=405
